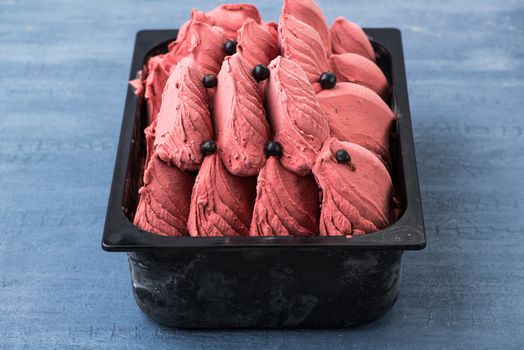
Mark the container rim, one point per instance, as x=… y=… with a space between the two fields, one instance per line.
x=408 y=233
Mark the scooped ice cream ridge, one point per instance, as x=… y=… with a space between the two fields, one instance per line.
x=297 y=120
x=240 y=118
x=184 y=121
x=357 y=114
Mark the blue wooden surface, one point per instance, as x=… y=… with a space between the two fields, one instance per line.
x=64 y=66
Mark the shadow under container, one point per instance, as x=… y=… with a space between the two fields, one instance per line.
x=264 y=282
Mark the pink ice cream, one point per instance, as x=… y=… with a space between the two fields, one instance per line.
x=183 y=122
x=240 y=118
x=357 y=114
x=232 y=16
x=199 y=39
x=149 y=133
x=272 y=28
x=297 y=120
x=164 y=200
x=286 y=204
x=206 y=47
x=221 y=203
x=305 y=191
x=257 y=44
x=349 y=37
x=157 y=73
x=301 y=44
x=310 y=13
x=353 y=68
x=181 y=46
x=356 y=198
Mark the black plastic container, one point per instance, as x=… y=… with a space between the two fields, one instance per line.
x=270 y=282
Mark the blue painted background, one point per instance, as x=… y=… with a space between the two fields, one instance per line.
x=63 y=71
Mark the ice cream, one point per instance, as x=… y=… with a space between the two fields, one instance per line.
x=164 y=199
x=272 y=28
x=221 y=203
x=157 y=73
x=297 y=144
x=310 y=13
x=357 y=196
x=347 y=36
x=301 y=44
x=206 y=47
x=257 y=44
x=231 y=17
x=240 y=118
x=297 y=120
x=199 y=37
x=149 y=133
x=286 y=204
x=183 y=122
x=180 y=47
x=357 y=114
x=353 y=68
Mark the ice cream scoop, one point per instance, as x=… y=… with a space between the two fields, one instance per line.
x=206 y=47
x=272 y=28
x=286 y=204
x=256 y=44
x=240 y=118
x=221 y=203
x=149 y=133
x=347 y=36
x=232 y=16
x=297 y=120
x=301 y=43
x=180 y=47
x=310 y=13
x=354 y=68
x=164 y=199
x=198 y=38
x=357 y=114
x=357 y=192
x=184 y=121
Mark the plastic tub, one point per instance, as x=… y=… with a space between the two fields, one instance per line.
x=264 y=282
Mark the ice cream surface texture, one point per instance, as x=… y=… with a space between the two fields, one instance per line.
x=221 y=203
x=346 y=37
x=357 y=114
x=353 y=68
x=298 y=122
x=300 y=43
x=257 y=44
x=287 y=204
x=357 y=198
x=240 y=118
x=184 y=121
x=263 y=129
x=310 y=13
x=164 y=199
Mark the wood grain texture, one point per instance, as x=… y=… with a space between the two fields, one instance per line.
x=64 y=66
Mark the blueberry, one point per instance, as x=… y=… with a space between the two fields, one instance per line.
x=273 y=149
x=208 y=147
x=260 y=72
x=230 y=47
x=328 y=80
x=343 y=156
x=210 y=81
